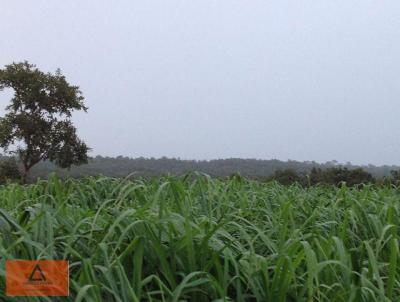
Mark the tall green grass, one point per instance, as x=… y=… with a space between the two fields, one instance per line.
x=201 y=239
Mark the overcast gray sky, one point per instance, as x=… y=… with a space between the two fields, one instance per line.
x=201 y=79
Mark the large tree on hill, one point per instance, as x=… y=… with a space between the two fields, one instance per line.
x=37 y=125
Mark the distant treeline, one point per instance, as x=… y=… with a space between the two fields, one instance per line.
x=307 y=171
x=122 y=166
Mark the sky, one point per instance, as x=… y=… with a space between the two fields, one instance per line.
x=206 y=79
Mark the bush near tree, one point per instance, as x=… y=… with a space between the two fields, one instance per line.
x=9 y=170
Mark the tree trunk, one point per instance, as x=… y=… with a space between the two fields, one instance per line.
x=25 y=173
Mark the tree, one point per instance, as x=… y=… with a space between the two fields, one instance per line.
x=359 y=176
x=38 y=123
x=316 y=176
x=395 y=176
x=286 y=177
x=338 y=175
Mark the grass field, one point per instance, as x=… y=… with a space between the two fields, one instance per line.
x=201 y=239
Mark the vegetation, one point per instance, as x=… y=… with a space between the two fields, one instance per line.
x=335 y=176
x=122 y=166
x=38 y=123
x=287 y=177
x=395 y=174
x=9 y=170
x=200 y=239
x=320 y=174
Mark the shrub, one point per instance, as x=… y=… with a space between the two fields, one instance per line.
x=9 y=170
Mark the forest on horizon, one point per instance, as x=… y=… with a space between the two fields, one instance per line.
x=121 y=166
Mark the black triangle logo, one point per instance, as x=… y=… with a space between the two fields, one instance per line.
x=37 y=274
